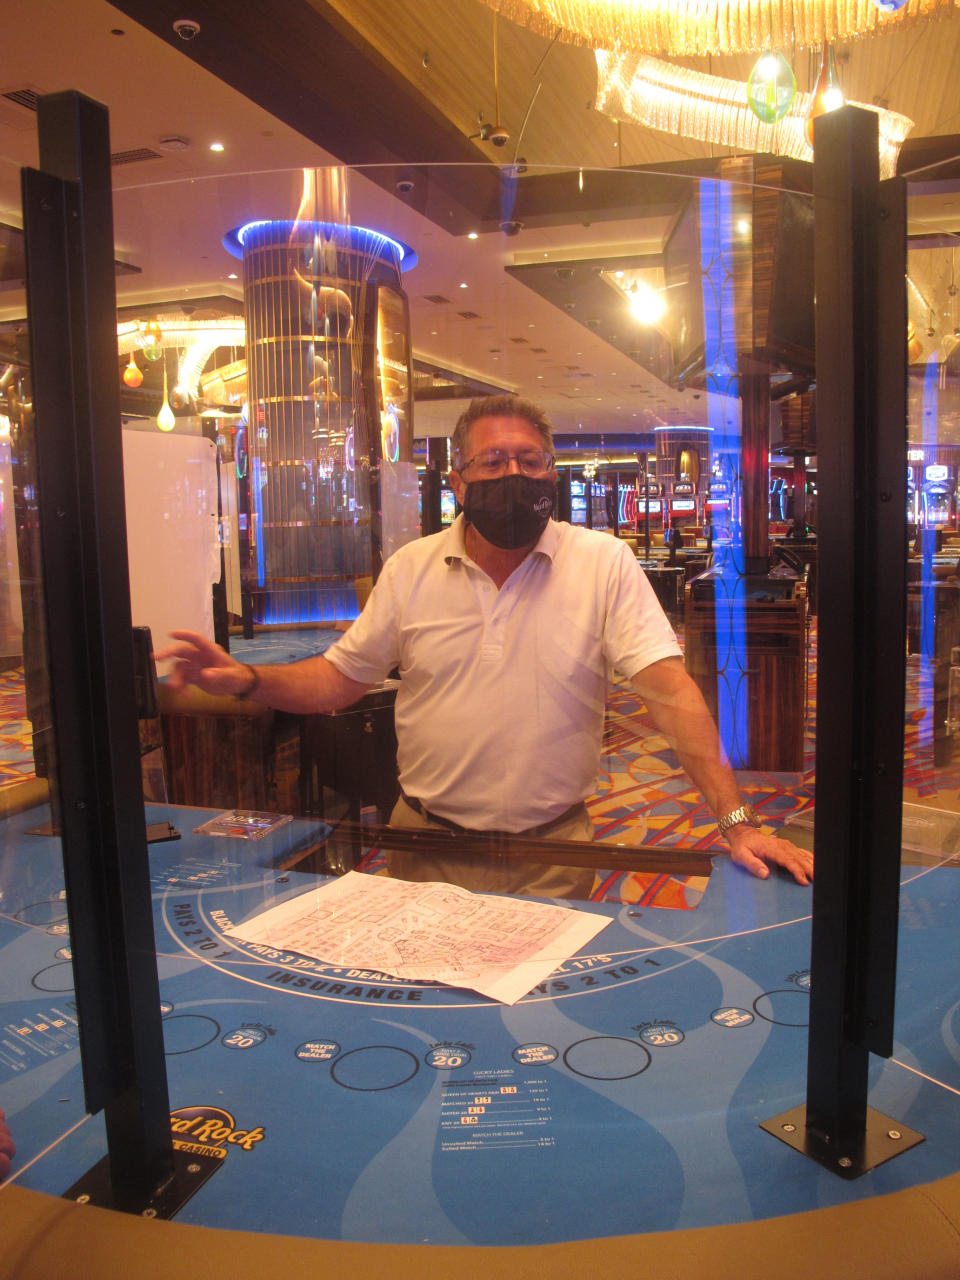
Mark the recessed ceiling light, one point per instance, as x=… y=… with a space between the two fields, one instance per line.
x=463 y=284
x=216 y=146
x=471 y=235
x=233 y=276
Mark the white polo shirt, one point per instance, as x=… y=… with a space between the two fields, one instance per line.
x=500 y=709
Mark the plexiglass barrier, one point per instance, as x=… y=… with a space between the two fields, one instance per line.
x=39 y=1025
x=289 y=449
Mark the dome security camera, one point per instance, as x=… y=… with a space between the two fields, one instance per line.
x=511 y=228
x=404 y=185
x=186 y=28
x=499 y=136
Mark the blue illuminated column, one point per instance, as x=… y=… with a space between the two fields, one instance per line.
x=723 y=399
x=931 y=383
x=319 y=366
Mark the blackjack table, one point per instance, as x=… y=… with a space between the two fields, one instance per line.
x=612 y=1112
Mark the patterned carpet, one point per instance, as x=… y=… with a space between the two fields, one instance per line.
x=16 y=745
x=642 y=793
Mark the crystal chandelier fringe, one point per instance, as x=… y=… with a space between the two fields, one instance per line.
x=648 y=91
x=692 y=28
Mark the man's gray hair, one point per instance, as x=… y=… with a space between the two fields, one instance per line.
x=499 y=406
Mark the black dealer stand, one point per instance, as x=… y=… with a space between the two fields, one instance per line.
x=861 y=326
x=68 y=227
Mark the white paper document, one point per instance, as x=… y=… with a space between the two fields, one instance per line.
x=501 y=947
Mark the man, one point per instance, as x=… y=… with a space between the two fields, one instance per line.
x=506 y=628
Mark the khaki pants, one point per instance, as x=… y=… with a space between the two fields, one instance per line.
x=492 y=874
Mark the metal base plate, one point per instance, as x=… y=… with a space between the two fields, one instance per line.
x=190 y=1172
x=881 y=1140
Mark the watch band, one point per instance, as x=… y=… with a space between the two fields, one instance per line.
x=743 y=813
x=254 y=682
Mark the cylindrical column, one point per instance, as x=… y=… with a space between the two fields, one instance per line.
x=314 y=437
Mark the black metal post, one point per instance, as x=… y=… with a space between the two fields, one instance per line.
x=68 y=227
x=431 y=516
x=861 y=400
x=564 y=500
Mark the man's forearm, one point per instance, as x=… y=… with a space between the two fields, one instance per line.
x=307 y=687
x=681 y=715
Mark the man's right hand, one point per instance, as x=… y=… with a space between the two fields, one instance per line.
x=7 y=1149
x=201 y=662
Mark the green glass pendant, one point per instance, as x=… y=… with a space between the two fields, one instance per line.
x=771 y=87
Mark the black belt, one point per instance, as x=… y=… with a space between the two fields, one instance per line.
x=542 y=830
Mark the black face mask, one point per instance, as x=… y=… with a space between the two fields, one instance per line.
x=511 y=511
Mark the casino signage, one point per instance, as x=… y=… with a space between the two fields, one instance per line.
x=208 y=1131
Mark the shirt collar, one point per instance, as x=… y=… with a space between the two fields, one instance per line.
x=456 y=548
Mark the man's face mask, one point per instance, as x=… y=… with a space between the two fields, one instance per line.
x=510 y=511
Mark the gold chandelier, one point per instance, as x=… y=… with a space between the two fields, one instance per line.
x=692 y=28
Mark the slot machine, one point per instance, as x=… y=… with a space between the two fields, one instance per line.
x=628 y=506
x=913 y=508
x=650 y=505
x=683 y=505
x=602 y=517
x=578 y=502
x=717 y=506
x=938 y=499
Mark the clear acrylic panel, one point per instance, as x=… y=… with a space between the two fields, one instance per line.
x=375 y=304
x=312 y=378
x=931 y=795
x=39 y=1021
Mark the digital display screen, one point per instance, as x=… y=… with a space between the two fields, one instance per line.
x=683 y=504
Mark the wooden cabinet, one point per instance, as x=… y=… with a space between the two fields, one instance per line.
x=748 y=651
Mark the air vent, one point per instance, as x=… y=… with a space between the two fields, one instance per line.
x=134 y=155
x=518 y=340
x=18 y=107
x=468 y=315
x=540 y=351
x=437 y=299
x=22 y=97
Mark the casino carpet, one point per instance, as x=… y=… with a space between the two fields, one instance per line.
x=16 y=742
x=642 y=794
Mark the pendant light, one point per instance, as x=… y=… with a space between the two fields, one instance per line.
x=132 y=374
x=166 y=420
x=828 y=95
x=771 y=87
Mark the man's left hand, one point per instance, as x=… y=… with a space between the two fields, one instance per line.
x=753 y=850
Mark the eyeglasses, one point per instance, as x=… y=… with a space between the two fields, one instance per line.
x=494 y=462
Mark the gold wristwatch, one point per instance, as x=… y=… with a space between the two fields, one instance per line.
x=743 y=813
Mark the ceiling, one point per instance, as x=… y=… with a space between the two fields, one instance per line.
x=398 y=86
